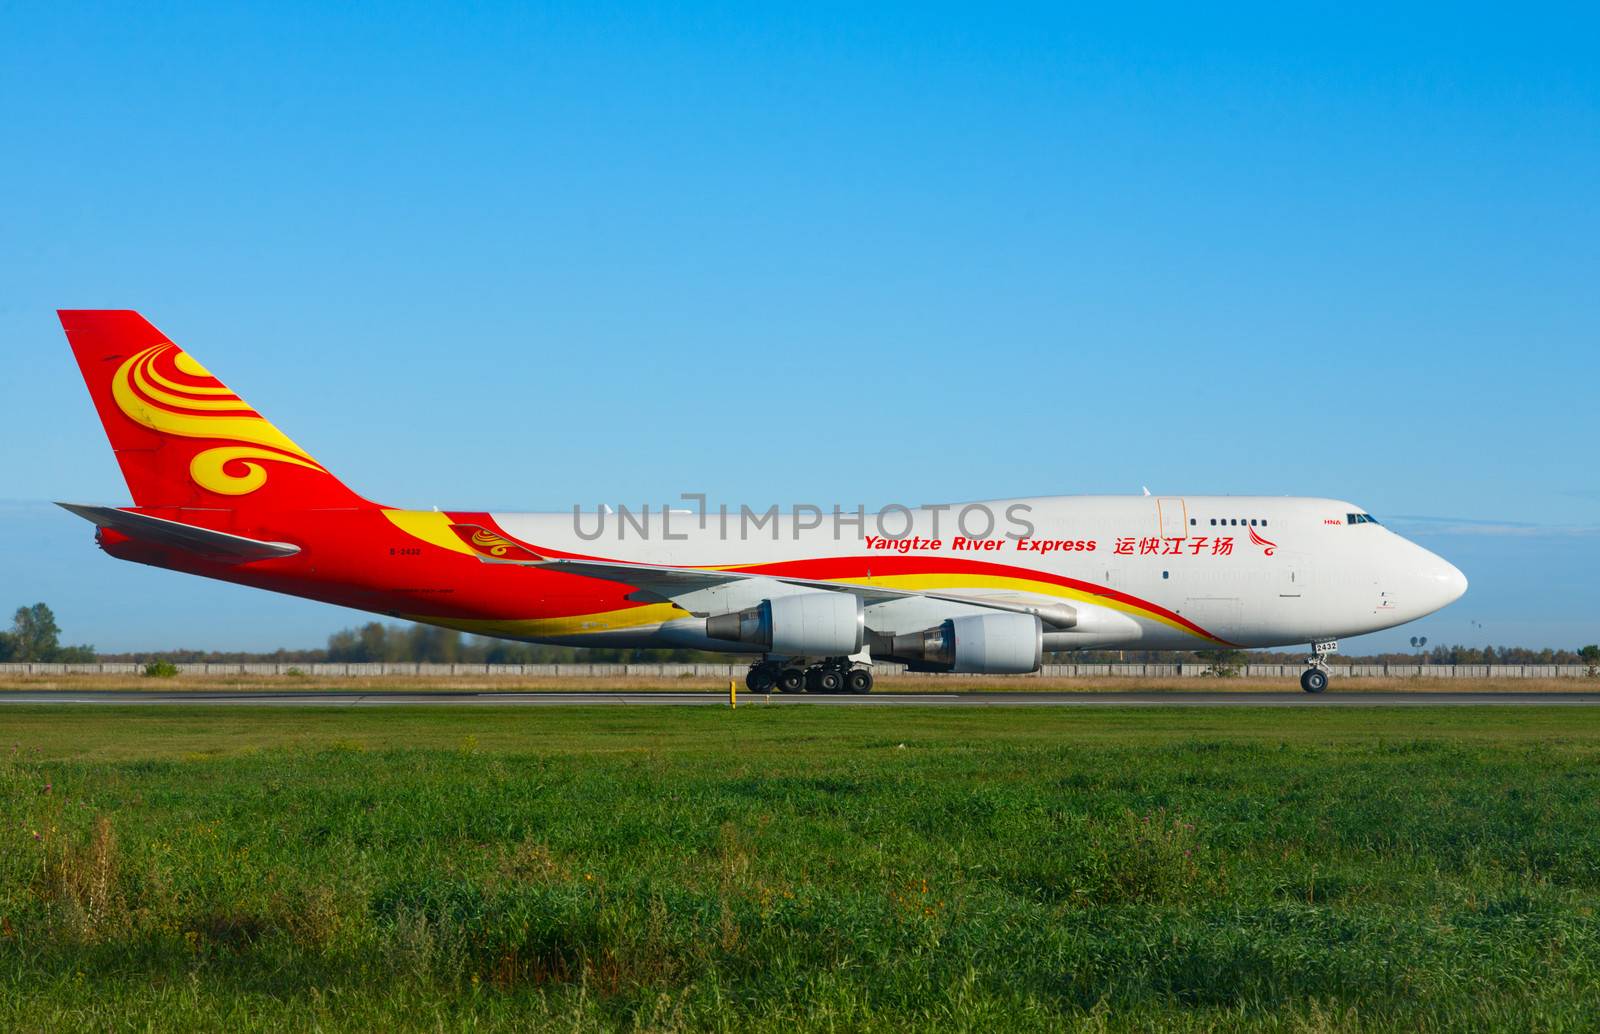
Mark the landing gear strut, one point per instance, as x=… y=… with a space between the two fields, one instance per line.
x=795 y=675
x=1315 y=678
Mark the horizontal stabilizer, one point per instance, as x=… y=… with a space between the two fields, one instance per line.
x=203 y=541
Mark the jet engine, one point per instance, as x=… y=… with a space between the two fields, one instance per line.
x=811 y=624
x=987 y=644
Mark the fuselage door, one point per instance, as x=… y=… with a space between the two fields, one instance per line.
x=1173 y=517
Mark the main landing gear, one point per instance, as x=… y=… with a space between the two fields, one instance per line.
x=1315 y=678
x=796 y=675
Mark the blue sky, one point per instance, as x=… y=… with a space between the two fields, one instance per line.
x=516 y=258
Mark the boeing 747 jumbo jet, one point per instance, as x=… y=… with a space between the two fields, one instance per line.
x=815 y=595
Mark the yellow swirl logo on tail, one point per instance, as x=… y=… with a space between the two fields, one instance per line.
x=489 y=542
x=169 y=392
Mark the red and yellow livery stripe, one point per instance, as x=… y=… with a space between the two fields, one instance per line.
x=911 y=573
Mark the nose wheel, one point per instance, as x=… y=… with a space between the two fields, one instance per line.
x=1315 y=678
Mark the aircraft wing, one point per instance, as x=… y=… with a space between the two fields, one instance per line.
x=204 y=541
x=670 y=582
x=666 y=584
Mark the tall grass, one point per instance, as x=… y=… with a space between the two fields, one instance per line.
x=800 y=869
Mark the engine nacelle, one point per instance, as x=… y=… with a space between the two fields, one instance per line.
x=811 y=624
x=986 y=644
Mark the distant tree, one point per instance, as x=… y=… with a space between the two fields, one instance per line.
x=1224 y=663
x=1591 y=657
x=435 y=645
x=373 y=638
x=34 y=633
x=343 y=645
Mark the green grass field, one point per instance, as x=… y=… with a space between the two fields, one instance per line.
x=799 y=868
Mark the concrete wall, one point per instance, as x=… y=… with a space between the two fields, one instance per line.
x=725 y=671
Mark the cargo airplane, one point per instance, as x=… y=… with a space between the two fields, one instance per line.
x=815 y=598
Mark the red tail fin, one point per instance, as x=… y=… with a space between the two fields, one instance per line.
x=181 y=436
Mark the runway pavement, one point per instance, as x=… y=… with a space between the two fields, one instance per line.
x=315 y=698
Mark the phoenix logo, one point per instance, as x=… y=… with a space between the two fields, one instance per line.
x=169 y=392
x=1268 y=547
x=494 y=545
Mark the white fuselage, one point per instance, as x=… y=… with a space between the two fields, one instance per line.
x=1142 y=571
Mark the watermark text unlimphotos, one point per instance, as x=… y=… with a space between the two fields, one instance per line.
x=894 y=523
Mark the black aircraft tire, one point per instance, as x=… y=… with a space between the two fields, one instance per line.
x=759 y=680
x=1314 y=680
x=858 y=681
x=829 y=681
x=792 y=680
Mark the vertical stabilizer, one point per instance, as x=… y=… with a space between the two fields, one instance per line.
x=182 y=437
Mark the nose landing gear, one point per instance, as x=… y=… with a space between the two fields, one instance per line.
x=1315 y=678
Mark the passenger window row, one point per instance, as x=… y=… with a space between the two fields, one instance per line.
x=1232 y=522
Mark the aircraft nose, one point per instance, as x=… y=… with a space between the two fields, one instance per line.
x=1452 y=581
x=1442 y=583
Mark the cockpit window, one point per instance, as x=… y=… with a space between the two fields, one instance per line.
x=1360 y=518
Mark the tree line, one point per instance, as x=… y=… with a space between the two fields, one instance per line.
x=402 y=643
x=429 y=643
x=35 y=636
